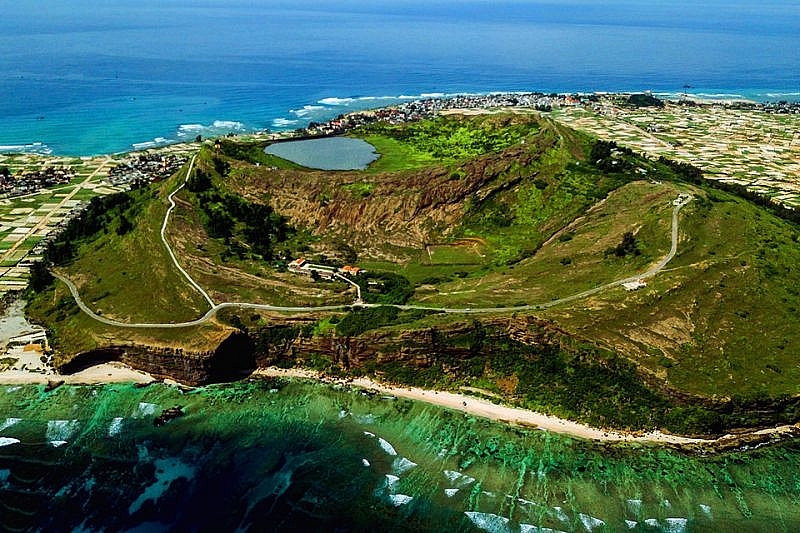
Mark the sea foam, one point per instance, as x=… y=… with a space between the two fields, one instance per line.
x=527 y=528
x=401 y=465
x=590 y=522
x=400 y=499
x=116 y=426
x=61 y=430
x=167 y=471
x=9 y=422
x=7 y=441
x=145 y=409
x=385 y=446
x=489 y=522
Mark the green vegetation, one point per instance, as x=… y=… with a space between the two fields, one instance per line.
x=246 y=227
x=359 y=189
x=471 y=217
x=364 y=319
x=384 y=288
x=115 y=212
x=253 y=153
x=644 y=100
x=443 y=140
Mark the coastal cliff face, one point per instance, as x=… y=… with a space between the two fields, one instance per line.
x=232 y=359
x=526 y=360
x=416 y=348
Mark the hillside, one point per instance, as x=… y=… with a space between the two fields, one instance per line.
x=480 y=213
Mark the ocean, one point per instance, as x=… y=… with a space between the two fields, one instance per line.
x=85 y=78
x=275 y=455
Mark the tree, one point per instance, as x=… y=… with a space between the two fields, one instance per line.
x=41 y=278
x=199 y=181
x=5 y=172
x=627 y=246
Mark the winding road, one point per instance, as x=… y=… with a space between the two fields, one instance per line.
x=679 y=203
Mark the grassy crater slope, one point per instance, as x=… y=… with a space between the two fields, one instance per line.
x=486 y=211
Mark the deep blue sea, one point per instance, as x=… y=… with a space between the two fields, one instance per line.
x=102 y=76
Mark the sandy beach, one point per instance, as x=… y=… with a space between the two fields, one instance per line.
x=500 y=413
x=104 y=373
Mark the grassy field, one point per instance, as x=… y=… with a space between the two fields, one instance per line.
x=131 y=277
x=473 y=217
x=720 y=321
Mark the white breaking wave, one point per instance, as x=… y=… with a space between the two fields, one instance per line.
x=385 y=446
x=7 y=441
x=559 y=513
x=218 y=127
x=284 y=122
x=590 y=522
x=188 y=128
x=527 y=528
x=228 y=124
x=9 y=422
x=348 y=101
x=145 y=409
x=400 y=499
x=462 y=479
x=782 y=95
x=634 y=506
x=489 y=522
x=30 y=148
x=675 y=525
x=61 y=430
x=306 y=110
x=116 y=426
x=402 y=465
x=391 y=481
x=158 y=141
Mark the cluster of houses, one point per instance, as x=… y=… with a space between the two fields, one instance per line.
x=29 y=181
x=423 y=109
x=145 y=167
x=302 y=266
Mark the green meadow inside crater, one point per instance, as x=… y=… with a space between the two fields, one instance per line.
x=290 y=455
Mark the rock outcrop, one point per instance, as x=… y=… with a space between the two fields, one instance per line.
x=232 y=359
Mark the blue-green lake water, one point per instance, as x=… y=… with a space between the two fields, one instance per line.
x=330 y=153
x=273 y=455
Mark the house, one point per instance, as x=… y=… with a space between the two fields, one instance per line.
x=634 y=285
x=299 y=266
x=351 y=270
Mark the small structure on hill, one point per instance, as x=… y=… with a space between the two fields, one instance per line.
x=634 y=285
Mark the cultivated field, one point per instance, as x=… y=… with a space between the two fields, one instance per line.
x=746 y=146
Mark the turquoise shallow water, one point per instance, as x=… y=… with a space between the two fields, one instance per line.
x=86 y=77
x=291 y=456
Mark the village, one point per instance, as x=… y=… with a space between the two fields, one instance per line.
x=40 y=194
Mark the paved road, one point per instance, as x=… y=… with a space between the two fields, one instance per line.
x=680 y=202
x=169 y=248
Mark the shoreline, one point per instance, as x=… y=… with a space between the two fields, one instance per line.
x=101 y=374
x=525 y=418
x=724 y=97
x=116 y=372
